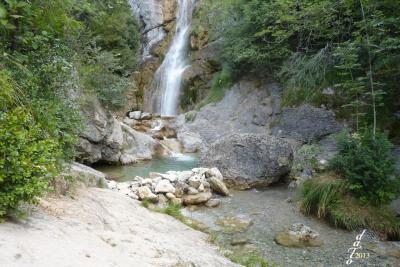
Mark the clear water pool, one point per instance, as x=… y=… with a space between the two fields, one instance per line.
x=175 y=162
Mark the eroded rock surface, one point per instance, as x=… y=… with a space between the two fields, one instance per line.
x=249 y=159
x=103 y=228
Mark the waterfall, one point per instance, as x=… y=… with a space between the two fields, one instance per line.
x=168 y=77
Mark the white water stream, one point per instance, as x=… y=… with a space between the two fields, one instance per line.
x=168 y=77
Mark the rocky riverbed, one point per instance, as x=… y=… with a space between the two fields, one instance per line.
x=250 y=221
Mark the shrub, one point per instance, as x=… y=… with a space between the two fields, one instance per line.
x=27 y=162
x=367 y=163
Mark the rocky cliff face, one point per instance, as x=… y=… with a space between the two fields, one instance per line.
x=157 y=21
x=105 y=139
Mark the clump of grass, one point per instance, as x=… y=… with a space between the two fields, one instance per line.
x=321 y=194
x=350 y=214
x=146 y=203
x=173 y=210
x=328 y=197
x=212 y=237
x=250 y=260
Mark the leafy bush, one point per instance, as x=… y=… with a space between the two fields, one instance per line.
x=27 y=162
x=351 y=46
x=368 y=165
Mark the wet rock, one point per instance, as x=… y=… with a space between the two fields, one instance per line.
x=218 y=186
x=212 y=203
x=197 y=199
x=388 y=248
x=299 y=235
x=234 y=224
x=239 y=241
x=250 y=159
x=164 y=186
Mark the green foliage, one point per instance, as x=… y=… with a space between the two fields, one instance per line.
x=320 y=195
x=368 y=165
x=51 y=51
x=329 y=197
x=221 y=81
x=305 y=158
x=28 y=159
x=350 y=45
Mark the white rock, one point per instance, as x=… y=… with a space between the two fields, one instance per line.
x=135 y=115
x=112 y=184
x=218 y=186
x=192 y=191
x=183 y=176
x=145 y=116
x=199 y=170
x=133 y=195
x=164 y=186
x=168 y=176
x=216 y=173
x=154 y=175
x=170 y=195
x=194 y=181
x=144 y=192
x=206 y=184
x=147 y=181
x=201 y=188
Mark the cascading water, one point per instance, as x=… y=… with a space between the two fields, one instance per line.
x=168 y=77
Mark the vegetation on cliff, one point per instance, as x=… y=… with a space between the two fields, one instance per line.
x=350 y=46
x=52 y=53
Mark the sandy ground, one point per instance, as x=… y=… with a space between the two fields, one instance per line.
x=102 y=228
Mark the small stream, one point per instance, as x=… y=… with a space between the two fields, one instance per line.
x=268 y=212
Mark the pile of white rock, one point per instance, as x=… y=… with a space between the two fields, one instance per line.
x=194 y=187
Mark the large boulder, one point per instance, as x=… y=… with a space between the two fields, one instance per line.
x=108 y=140
x=306 y=123
x=249 y=159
